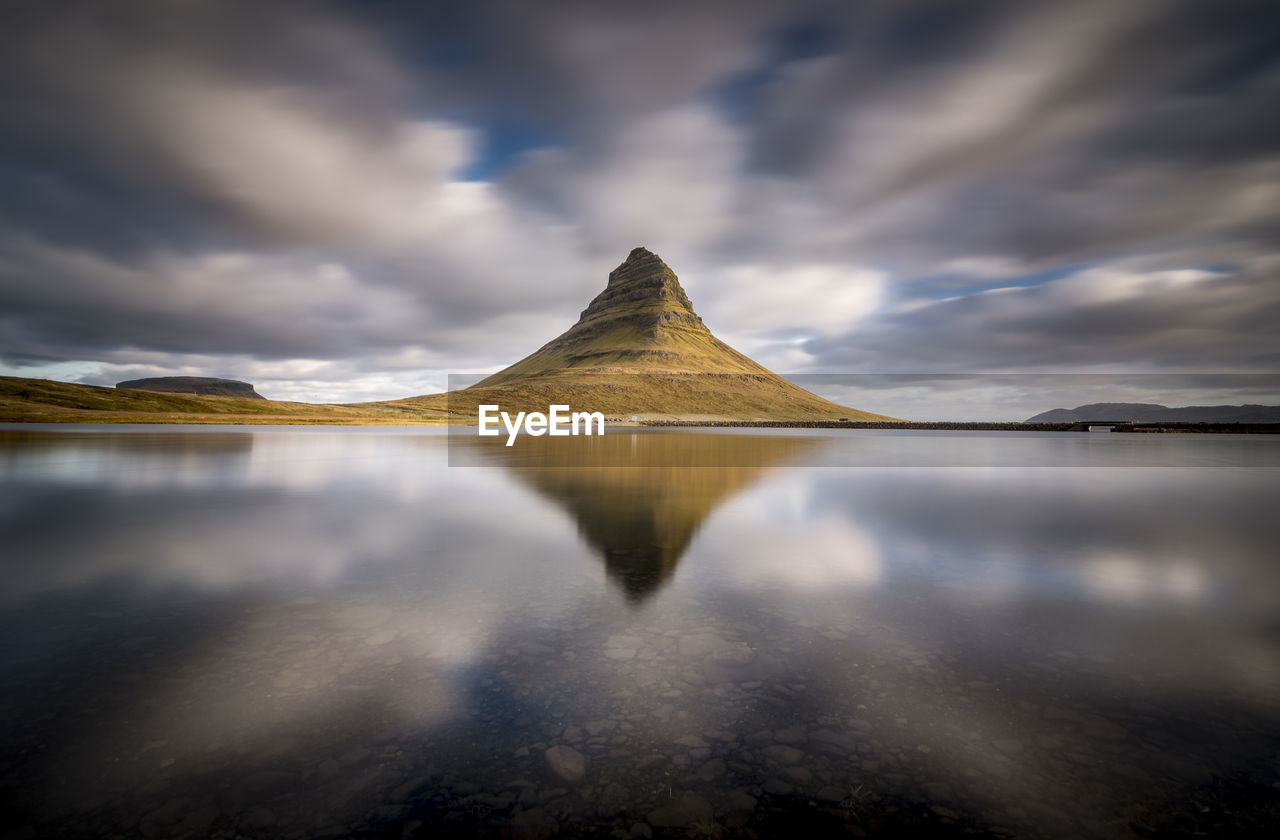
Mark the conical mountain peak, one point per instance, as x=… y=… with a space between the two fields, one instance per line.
x=642 y=320
x=640 y=349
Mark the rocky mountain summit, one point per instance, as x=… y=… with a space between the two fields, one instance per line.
x=642 y=320
x=208 y=386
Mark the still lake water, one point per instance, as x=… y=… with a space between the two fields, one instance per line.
x=318 y=632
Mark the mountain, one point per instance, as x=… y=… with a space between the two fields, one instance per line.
x=1153 y=413
x=639 y=349
x=207 y=386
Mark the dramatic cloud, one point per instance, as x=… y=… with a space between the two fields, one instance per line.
x=1098 y=318
x=345 y=201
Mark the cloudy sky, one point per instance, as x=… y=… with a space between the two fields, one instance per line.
x=351 y=200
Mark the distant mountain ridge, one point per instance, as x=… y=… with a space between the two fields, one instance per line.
x=208 y=386
x=1153 y=413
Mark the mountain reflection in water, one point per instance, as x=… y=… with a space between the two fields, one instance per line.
x=639 y=499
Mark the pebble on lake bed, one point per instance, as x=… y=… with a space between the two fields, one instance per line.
x=566 y=762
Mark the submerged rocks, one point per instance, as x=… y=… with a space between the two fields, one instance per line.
x=596 y=727
x=702 y=644
x=534 y=824
x=688 y=810
x=566 y=762
x=621 y=647
x=784 y=754
x=667 y=740
x=363 y=617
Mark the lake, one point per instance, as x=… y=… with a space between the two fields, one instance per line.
x=398 y=632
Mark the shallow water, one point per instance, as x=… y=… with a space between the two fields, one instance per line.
x=389 y=632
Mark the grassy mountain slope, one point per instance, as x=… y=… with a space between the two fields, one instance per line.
x=646 y=395
x=640 y=349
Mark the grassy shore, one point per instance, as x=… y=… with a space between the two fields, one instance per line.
x=959 y=426
x=678 y=397
x=47 y=401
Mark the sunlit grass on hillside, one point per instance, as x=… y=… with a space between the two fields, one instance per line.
x=647 y=396
x=47 y=401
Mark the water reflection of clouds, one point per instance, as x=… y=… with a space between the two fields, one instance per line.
x=1001 y=536
x=198 y=529
x=1107 y=563
x=775 y=536
x=1127 y=577
x=98 y=458
x=1091 y=588
x=305 y=459
x=351 y=525
x=228 y=509
x=362 y=592
x=217 y=510
x=1154 y=535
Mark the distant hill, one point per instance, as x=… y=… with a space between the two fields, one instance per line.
x=640 y=350
x=1152 y=413
x=47 y=401
x=207 y=386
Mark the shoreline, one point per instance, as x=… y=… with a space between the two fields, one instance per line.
x=964 y=426
x=935 y=426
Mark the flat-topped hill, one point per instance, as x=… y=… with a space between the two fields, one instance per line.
x=208 y=386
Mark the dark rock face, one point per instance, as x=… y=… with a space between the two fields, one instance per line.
x=642 y=292
x=643 y=276
x=203 y=385
x=1153 y=413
